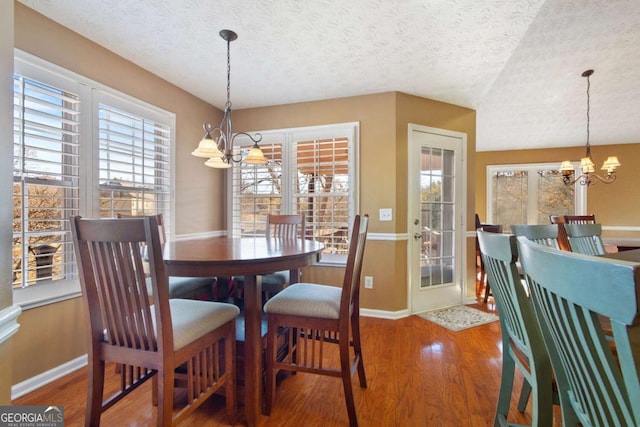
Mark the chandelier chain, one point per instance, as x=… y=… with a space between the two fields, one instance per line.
x=228 y=104
x=588 y=107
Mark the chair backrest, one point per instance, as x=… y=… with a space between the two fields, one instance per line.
x=556 y=219
x=546 y=235
x=563 y=240
x=114 y=288
x=517 y=319
x=580 y=219
x=159 y=218
x=586 y=238
x=570 y=293
x=350 y=300
x=285 y=226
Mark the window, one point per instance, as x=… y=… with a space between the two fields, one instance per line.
x=529 y=193
x=62 y=168
x=45 y=180
x=311 y=171
x=134 y=164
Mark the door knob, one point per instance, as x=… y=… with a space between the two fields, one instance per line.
x=417 y=236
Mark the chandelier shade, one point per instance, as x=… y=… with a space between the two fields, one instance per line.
x=220 y=151
x=587 y=166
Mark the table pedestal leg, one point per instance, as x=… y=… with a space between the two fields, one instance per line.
x=253 y=349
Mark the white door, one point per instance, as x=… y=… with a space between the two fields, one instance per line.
x=436 y=233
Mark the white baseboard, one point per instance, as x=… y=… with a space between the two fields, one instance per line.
x=39 y=380
x=383 y=314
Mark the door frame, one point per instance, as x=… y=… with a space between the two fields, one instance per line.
x=461 y=212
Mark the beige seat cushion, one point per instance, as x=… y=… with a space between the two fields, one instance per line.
x=193 y=319
x=307 y=299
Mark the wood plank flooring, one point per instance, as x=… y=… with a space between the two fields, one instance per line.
x=418 y=373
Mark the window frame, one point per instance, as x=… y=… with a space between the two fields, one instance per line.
x=289 y=137
x=580 y=193
x=89 y=93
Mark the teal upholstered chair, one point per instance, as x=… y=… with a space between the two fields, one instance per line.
x=522 y=343
x=570 y=293
x=585 y=238
x=546 y=235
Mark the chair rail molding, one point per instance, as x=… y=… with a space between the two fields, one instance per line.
x=9 y=322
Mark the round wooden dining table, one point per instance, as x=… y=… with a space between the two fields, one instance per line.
x=249 y=257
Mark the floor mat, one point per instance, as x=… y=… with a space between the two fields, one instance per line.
x=458 y=317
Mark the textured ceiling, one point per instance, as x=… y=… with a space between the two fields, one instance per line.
x=517 y=62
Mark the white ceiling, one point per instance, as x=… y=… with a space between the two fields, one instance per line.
x=517 y=62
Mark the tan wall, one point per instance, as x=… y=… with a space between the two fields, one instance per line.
x=6 y=216
x=199 y=190
x=426 y=112
x=48 y=337
x=384 y=120
x=613 y=204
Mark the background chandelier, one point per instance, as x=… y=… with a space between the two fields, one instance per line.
x=220 y=151
x=586 y=163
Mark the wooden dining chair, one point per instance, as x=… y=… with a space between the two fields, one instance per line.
x=563 y=240
x=177 y=342
x=570 y=293
x=580 y=219
x=522 y=343
x=320 y=315
x=281 y=226
x=202 y=288
x=586 y=238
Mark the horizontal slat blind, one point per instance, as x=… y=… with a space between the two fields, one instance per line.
x=46 y=181
x=310 y=172
x=323 y=190
x=134 y=164
x=260 y=192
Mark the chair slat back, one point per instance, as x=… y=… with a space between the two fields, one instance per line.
x=546 y=235
x=586 y=238
x=570 y=292
x=350 y=302
x=580 y=219
x=285 y=226
x=114 y=288
x=500 y=253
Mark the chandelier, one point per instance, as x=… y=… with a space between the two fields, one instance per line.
x=217 y=143
x=587 y=166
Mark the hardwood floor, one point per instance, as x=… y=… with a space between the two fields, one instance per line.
x=418 y=373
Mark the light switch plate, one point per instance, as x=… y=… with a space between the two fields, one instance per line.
x=386 y=214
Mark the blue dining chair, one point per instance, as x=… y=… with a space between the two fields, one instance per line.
x=522 y=343
x=571 y=293
x=585 y=238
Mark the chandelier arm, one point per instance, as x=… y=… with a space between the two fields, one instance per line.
x=607 y=180
x=588 y=179
x=255 y=139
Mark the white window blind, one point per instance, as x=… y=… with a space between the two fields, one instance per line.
x=80 y=148
x=529 y=193
x=45 y=181
x=134 y=164
x=311 y=171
